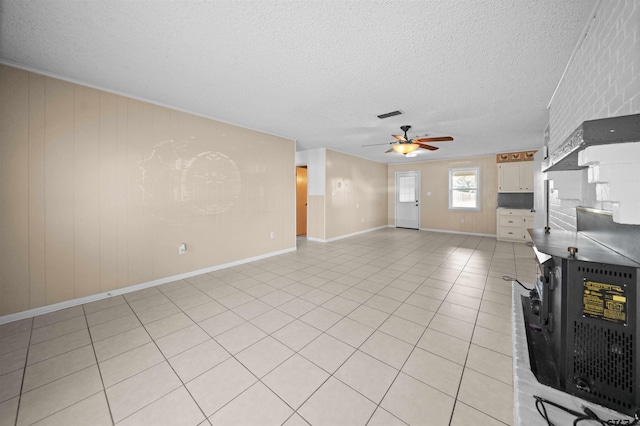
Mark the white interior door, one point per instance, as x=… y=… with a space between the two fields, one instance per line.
x=408 y=200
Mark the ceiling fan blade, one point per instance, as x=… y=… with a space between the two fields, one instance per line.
x=389 y=150
x=429 y=147
x=438 y=139
x=400 y=138
x=378 y=144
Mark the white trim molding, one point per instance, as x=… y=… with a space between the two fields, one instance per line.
x=117 y=292
x=459 y=232
x=347 y=235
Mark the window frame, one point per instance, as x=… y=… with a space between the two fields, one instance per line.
x=477 y=171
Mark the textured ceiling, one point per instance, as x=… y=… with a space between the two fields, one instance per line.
x=318 y=72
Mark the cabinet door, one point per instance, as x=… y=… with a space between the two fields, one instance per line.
x=526 y=176
x=510 y=234
x=528 y=223
x=509 y=177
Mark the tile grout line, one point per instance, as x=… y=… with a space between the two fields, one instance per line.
x=104 y=388
x=370 y=254
x=24 y=372
x=295 y=410
x=377 y=329
x=470 y=343
x=59 y=378
x=464 y=367
x=416 y=346
x=378 y=405
x=165 y=360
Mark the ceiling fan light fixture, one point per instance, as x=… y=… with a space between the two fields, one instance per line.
x=411 y=154
x=405 y=148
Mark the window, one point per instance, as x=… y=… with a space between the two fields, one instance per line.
x=464 y=188
x=407 y=189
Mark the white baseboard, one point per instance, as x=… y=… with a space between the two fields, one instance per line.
x=459 y=232
x=328 y=240
x=129 y=289
x=318 y=240
x=393 y=226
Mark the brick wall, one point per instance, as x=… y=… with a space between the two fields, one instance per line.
x=568 y=190
x=602 y=80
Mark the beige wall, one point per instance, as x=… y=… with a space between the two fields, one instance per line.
x=356 y=194
x=315 y=217
x=434 y=211
x=97 y=191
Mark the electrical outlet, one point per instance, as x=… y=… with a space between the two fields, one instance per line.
x=182 y=248
x=461 y=220
x=272 y=235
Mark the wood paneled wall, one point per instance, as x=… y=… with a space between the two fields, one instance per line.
x=356 y=194
x=98 y=190
x=434 y=212
x=316 y=216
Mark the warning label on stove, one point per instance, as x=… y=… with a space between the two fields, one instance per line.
x=604 y=301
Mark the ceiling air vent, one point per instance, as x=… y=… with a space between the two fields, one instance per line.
x=389 y=114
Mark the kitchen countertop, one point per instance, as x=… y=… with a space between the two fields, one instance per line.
x=556 y=242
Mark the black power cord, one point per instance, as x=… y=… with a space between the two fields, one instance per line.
x=508 y=278
x=587 y=415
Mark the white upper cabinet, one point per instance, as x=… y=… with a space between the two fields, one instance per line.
x=515 y=177
x=526 y=176
x=509 y=177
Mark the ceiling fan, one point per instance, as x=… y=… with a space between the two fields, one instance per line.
x=404 y=145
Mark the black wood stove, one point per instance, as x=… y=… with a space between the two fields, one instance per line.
x=582 y=319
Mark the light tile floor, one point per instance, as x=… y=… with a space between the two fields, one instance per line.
x=392 y=327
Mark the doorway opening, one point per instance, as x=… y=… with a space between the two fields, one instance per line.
x=301 y=200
